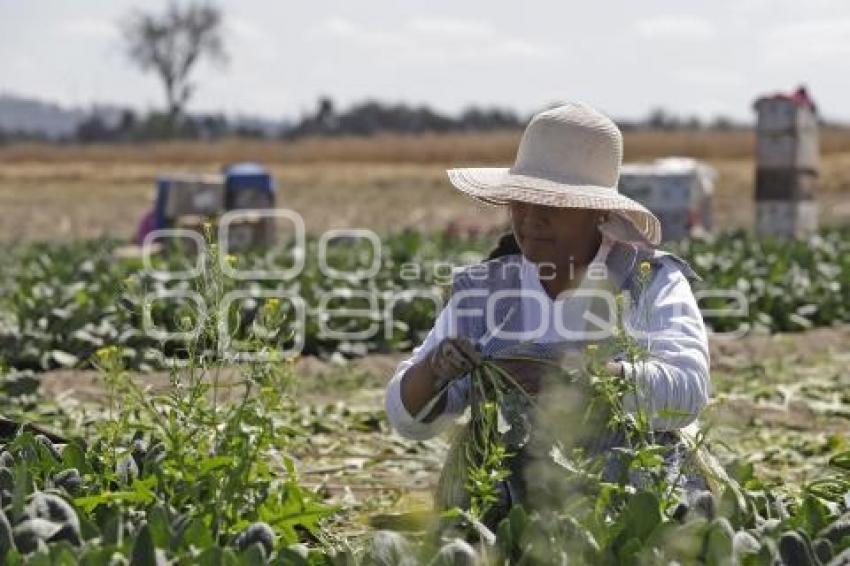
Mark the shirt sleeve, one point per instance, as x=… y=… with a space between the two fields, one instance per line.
x=673 y=385
x=457 y=393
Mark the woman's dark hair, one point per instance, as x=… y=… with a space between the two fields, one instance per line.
x=507 y=245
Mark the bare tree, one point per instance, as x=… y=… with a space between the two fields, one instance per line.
x=172 y=43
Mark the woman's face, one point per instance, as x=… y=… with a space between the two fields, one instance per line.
x=554 y=234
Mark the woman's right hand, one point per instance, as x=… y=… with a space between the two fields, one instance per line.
x=451 y=359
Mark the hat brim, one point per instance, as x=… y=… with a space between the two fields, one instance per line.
x=498 y=186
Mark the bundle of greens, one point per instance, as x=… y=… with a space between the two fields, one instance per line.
x=577 y=437
x=499 y=424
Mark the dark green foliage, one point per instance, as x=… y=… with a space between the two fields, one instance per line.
x=823 y=550
x=704 y=504
x=789 y=285
x=48 y=444
x=127 y=470
x=52 y=507
x=63 y=302
x=6 y=537
x=794 y=549
x=680 y=512
x=843 y=559
x=837 y=530
x=6 y=461
x=30 y=532
x=258 y=532
x=69 y=480
x=744 y=544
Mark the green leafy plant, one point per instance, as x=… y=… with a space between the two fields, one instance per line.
x=59 y=302
x=199 y=468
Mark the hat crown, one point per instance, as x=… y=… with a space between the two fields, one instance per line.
x=572 y=144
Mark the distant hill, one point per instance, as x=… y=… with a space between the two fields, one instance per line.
x=39 y=118
x=31 y=116
x=26 y=115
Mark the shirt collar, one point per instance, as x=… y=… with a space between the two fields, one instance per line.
x=529 y=267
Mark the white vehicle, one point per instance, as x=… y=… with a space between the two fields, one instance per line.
x=678 y=190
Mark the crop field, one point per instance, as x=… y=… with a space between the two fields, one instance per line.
x=214 y=446
x=64 y=193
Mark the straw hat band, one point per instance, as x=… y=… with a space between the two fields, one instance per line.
x=561 y=178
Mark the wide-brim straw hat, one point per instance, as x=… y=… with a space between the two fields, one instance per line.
x=569 y=156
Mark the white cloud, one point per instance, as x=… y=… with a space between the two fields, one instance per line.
x=88 y=28
x=347 y=30
x=248 y=30
x=675 y=27
x=338 y=26
x=451 y=28
x=249 y=36
x=437 y=40
x=708 y=108
x=708 y=76
x=524 y=48
x=807 y=41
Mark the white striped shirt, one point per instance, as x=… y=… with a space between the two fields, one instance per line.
x=674 y=381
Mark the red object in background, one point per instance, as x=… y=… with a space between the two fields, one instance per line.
x=146 y=226
x=800 y=97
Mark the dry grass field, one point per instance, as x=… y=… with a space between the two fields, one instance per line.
x=50 y=192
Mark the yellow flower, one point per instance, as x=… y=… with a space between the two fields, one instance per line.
x=106 y=352
x=273 y=304
x=620 y=298
x=645 y=268
x=231 y=259
x=592 y=348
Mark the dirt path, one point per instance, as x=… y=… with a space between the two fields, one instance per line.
x=791 y=347
x=321 y=382
x=325 y=381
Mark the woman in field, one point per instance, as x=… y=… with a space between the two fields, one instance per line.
x=553 y=286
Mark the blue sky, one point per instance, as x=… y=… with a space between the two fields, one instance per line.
x=625 y=56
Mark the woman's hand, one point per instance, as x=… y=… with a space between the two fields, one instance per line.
x=451 y=359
